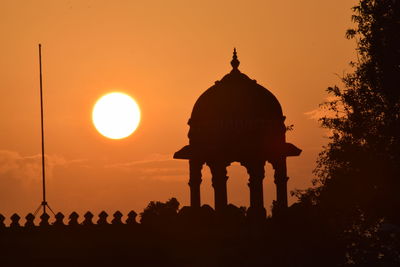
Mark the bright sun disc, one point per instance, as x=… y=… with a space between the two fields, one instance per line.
x=116 y=115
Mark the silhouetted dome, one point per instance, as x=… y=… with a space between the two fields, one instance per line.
x=236 y=97
x=236 y=119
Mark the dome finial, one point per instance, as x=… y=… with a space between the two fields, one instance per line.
x=235 y=62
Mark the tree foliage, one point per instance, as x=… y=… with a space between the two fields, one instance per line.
x=357 y=186
x=359 y=170
x=158 y=212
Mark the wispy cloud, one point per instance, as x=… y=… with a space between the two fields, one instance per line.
x=28 y=168
x=153 y=158
x=155 y=166
x=323 y=110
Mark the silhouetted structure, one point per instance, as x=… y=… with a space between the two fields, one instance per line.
x=73 y=220
x=238 y=120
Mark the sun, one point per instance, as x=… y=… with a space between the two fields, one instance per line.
x=116 y=115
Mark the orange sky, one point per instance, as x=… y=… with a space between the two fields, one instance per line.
x=164 y=54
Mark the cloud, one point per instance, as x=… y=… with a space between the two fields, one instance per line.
x=28 y=168
x=156 y=166
x=150 y=159
x=323 y=110
x=83 y=185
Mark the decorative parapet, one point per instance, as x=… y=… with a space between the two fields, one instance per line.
x=58 y=220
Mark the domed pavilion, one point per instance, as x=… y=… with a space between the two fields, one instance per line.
x=239 y=120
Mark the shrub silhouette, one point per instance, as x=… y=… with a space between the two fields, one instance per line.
x=157 y=212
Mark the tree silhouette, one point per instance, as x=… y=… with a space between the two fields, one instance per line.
x=157 y=212
x=361 y=162
x=358 y=172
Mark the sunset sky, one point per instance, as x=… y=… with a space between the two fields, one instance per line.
x=164 y=54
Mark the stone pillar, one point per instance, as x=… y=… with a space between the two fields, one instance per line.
x=280 y=179
x=219 y=178
x=256 y=172
x=194 y=182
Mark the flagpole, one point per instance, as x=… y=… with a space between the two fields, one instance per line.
x=42 y=131
x=44 y=202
